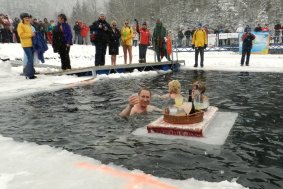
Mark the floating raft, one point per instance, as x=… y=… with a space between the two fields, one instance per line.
x=197 y=129
x=93 y=70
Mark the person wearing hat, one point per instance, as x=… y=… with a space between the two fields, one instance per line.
x=199 y=43
x=247 y=39
x=62 y=41
x=25 y=33
x=144 y=40
x=100 y=30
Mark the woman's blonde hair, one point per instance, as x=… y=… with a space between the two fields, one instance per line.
x=113 y=22
x=174 y=86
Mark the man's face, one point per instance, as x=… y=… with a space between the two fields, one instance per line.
x=144 y=98
x=102 y=17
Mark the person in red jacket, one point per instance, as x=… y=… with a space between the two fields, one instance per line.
x=84 y=32
x=265 y=28
x=144 y=40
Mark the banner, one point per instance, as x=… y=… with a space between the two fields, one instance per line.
x=260 y=44
x=211 y=40
x=223 y=35
x=233 y=35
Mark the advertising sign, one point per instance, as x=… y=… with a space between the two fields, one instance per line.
x=260 y=44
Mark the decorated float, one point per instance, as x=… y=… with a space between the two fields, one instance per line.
x=182 y=124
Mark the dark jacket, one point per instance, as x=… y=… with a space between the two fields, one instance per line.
x=39 y=45
x=258 y=29
x=247 y=39
x=61 y=38
x=77 y=28
x=114 y=39
x=188 y=33
x=101 y=29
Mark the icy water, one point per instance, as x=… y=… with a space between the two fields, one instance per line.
x=84 y=120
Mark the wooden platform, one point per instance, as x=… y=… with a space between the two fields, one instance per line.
x=93 y=70
x=197 y=129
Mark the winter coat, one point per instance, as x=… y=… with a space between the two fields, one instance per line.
x=67 y=33
x=39 y=45
x=114 y=37
x=247 y=39
x=25 y=34
x=144 y=35
x=158 y=38
x=77 y=28
x=258 y=29
x=180 y=35
x=127 y=35
x=101 y=29
x=61 y=38
x=84 y=30
x=187 y=33
x=199 y=38
x=265 y=29
x=277 y=27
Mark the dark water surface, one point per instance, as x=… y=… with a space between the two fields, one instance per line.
x=84 y=120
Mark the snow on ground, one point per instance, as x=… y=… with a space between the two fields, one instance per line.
x=46 y=167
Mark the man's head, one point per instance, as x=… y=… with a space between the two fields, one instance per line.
x=249 y=30
x=144 y=97
x=144 y=25
x=102 y=16
x=199 y=25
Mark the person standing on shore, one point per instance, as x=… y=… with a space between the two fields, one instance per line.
x=247 y=39
x=199 y=43
x=25 y=33
x=100 y=29
x=62 y=41
x=114 y=42
x=127 y=34
x=145 y=36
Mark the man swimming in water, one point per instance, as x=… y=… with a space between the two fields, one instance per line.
x=139 y=104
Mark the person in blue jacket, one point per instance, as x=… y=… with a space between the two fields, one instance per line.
x=62 y=41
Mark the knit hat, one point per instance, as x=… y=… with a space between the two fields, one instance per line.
x=199 y=24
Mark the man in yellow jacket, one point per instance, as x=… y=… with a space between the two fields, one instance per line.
x=25 y=33
x=199 y=43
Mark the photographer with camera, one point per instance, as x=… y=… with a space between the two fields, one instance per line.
x=247 y=39
x=101 y=30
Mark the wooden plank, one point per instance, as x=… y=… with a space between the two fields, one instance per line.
x=115 y=68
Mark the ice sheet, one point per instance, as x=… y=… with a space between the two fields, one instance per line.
x=216 y=133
